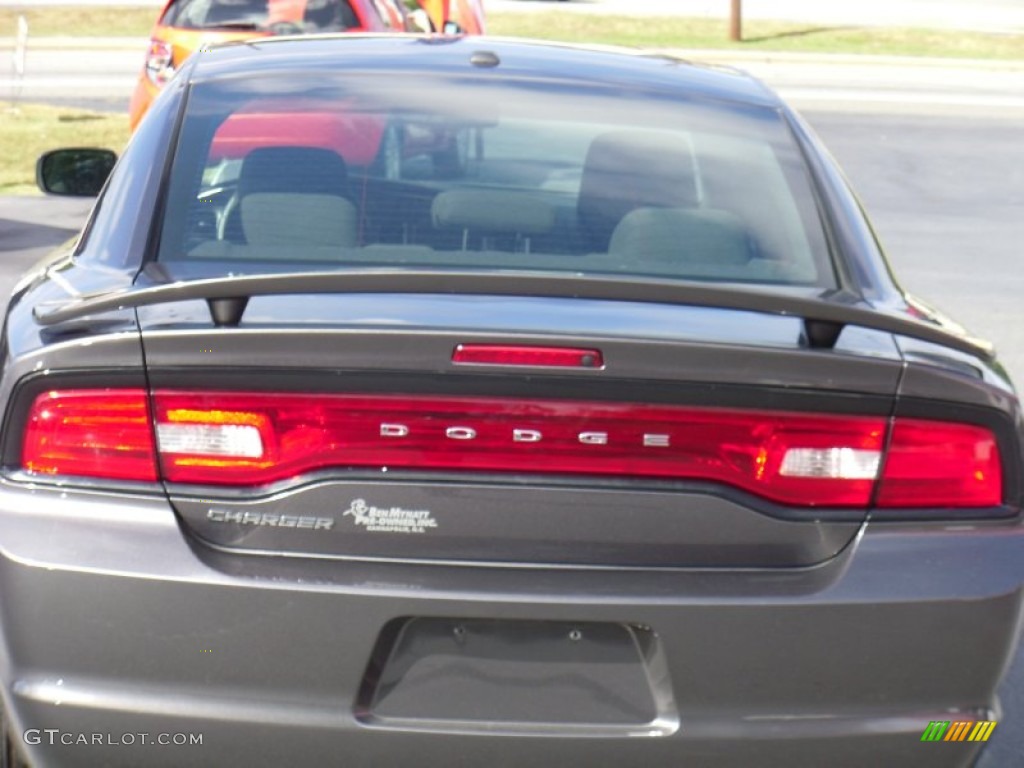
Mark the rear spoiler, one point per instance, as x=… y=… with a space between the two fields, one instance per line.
x=823 y=316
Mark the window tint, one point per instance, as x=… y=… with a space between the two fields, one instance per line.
x=279 y=16
x=381 y=171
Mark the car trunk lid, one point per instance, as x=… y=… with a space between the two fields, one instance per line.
x=404 y=426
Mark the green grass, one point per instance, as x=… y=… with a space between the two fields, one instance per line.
x=31 y=129
x=114 y=21
x=758 y=36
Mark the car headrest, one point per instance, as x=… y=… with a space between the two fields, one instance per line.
x=686 y=236
x=625 y=170
x=311 y=170
x=298 y=220
x=492 y=211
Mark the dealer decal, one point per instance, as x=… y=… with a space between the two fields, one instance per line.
x=389 y=519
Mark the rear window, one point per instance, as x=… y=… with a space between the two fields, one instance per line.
x=275 y=16
x=298 y=173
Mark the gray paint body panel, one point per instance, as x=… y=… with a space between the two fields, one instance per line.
x=742 y=646
x=504 y=523
x=420 y=333
x=663 y=349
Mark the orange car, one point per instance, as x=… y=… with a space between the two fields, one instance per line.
x=467 y=15
x=186 y=25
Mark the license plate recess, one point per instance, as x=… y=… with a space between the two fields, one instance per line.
x=518 y=676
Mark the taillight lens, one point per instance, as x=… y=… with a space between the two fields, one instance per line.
x=91 y=433
x=159 y=62
x=936 y=464
x=777 y=455
x=247 y=439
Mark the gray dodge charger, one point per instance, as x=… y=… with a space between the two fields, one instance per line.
x=463 y=402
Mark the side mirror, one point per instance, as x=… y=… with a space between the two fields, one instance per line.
x=79 y=172
x=451 y=28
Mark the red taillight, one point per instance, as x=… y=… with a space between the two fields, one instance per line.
x=246 y=439
x=791 y=458
x=92 y=433
x=936 y=464
x=510 y=354
x=159 y=62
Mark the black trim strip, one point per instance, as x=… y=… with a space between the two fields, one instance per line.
x=520 y=385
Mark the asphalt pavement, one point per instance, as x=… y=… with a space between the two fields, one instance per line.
x=30 y=227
